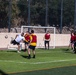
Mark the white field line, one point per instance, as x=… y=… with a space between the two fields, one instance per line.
x=47 y=62
x=10 y=61
x=49 y=52
x=36 y=52
x=55 y=61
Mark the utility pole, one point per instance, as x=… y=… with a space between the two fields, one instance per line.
x=28 y=14
x=61 y=19
x=46 y=18
x=9 y=17
x=75 y=17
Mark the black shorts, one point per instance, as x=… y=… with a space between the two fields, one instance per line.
x=46 y=42
x=32 y=47
x=14 y=42
x=26 y=42
x=72 y=42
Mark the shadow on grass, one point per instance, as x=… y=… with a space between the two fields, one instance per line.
x=2 y=73
x=67 y=51
x=24 y=56
x=12 y=51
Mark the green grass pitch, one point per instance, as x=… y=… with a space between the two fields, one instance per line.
x=47 y=62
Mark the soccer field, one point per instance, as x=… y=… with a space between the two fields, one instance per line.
x=48 y=62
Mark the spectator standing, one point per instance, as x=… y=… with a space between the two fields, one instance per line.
x=47 y=39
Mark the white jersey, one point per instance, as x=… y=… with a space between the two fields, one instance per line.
x=19 y=38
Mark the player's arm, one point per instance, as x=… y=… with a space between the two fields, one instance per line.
x=16 y=36
x=23 y=39
x=30 y=40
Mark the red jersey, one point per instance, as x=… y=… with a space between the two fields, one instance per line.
x=72 y=37
x=75 y=38
x=27 y=38
x=33 y=38
x=47 y=36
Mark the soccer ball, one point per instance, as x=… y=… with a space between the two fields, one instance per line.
x=6 y=36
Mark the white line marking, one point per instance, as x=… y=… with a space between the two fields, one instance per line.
x=54 y=61
x=11 y=61
x=8 y=51
x=49 y=52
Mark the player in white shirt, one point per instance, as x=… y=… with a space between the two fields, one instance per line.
x=18 y=39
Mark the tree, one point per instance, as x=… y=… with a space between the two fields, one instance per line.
x=20 y=12
x=3 y=13
x=68 y=13
x=23 y=14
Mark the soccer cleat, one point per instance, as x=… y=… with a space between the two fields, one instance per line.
x=18 y=52
x=29 y=57
x=34 y=56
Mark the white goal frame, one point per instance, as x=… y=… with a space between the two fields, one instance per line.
x=41 y=28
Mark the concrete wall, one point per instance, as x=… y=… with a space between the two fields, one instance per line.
x=60 y=40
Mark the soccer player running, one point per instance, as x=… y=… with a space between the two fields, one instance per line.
x=27 y=40
x=18 y=39
x=32 y=44
x=72 y=40
x=47 y=39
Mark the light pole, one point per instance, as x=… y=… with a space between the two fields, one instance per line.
x=61 y=19
x=9 y=17
x=75 y=17
x=28 y=13
x=46 y=18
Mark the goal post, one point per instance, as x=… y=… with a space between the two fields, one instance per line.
x=40 y=31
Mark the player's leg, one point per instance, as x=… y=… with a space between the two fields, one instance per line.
x=33 y=51
x=69 y=46
x=18 y=44
x=26 y=46
x=18 y=48
x=45 y=44
x=72 y=45
x=13 y=42
x=74 y=48
x=21 y=46
x=29 y=52
x=48 y=44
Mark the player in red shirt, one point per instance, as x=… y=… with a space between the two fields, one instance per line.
x=27 y=39
x=72 y=40
x=74 y=50
x=47 y=39
x=32 y=44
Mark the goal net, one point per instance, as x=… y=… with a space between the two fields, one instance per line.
x=40 y=32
